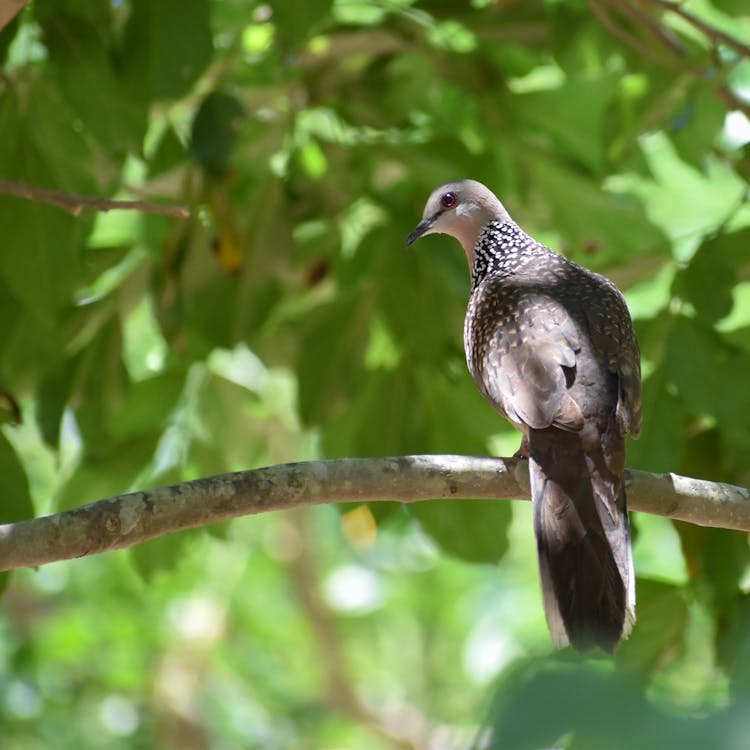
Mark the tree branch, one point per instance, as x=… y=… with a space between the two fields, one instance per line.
x=75 y=204
x=716 y=35
x=599 y=10
x=9 y=9
x=670 y=52
x=125 y=520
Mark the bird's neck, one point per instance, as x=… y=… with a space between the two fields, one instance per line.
x=499 y=248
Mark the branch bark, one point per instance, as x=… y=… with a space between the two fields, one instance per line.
x=119 y=522
x=75 y=204
x=9 y=9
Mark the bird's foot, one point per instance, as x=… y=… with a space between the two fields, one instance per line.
x=523 y=450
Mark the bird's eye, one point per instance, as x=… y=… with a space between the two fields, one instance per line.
x=448 y=200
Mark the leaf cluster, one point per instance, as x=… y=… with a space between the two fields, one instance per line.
x=285 y=320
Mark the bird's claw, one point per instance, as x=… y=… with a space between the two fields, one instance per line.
x=523 y=449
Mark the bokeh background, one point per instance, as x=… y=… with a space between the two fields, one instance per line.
x=285 y=320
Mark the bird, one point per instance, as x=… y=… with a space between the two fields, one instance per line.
x=551 y=345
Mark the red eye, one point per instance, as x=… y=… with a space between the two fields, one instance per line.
x=448 y=200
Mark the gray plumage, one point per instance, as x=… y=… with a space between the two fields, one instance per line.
x=551 y=346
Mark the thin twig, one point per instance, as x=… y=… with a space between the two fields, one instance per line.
x=652 y=27
x=122 y=521
x=631 y=40
x=9 y=9
x=717 y=36
x=674 y=61
x=731 y=101
x=75 y=204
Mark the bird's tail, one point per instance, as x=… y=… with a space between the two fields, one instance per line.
x=583 y=542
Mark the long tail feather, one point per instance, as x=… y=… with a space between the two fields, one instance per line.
x=583 y=542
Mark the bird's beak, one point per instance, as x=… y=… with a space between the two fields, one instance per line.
x=419 y=230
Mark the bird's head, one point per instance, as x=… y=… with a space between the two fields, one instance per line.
x=459 y=209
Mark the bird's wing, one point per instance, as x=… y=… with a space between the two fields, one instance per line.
x=522 y=368
x=611 y=331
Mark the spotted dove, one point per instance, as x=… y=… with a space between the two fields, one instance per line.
x=551 y=346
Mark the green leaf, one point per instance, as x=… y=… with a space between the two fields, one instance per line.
x=28 y=348
x=101 y=387
x=16 y=504
x=170 y=153
x=331 y=357
x=7 y=34
x=733 y=645
x=683 y=202
x=708 y=280
x=215 y=131
x=660 y=444
x=52 y=399
x=79 y=39
x=107 y=473
x=717 y=560
x=381 y=417
x=573 y=130
x=710 y=377
x=162 y=554
x=14 y=485
x=297 y=22
x=473 y=530
x=70 y=26
x=544 y=700
x=611 y=226
x=457 y=419
x=662 y=613
x=694 y=128
x=167 y=46
x=40 y=261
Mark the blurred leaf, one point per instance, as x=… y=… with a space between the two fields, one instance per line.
x=285 y=321
x=16 y=505
x=658 y=637
x=716 y=560
x=733 y=646
x=10 y=409
x=168 y=46
x=660 y=443
x=457 y=419
x=474 y=530
x=708 y=280
x=542 y=703
x=709 y=376
x=695 y=127
x=170 y=153
x=7 y=34
x=101 y=475
x=162 y=554
x=331 y=358
x=78 y=36
x=296 y=23
x=382 y=418
x=574 y=130
x=53 y=395
x=705 y=199
x=215 y=131
x=613 y=226
x=98 y=406
x=41 y=262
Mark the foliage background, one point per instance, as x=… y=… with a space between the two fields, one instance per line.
x=285 y=321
